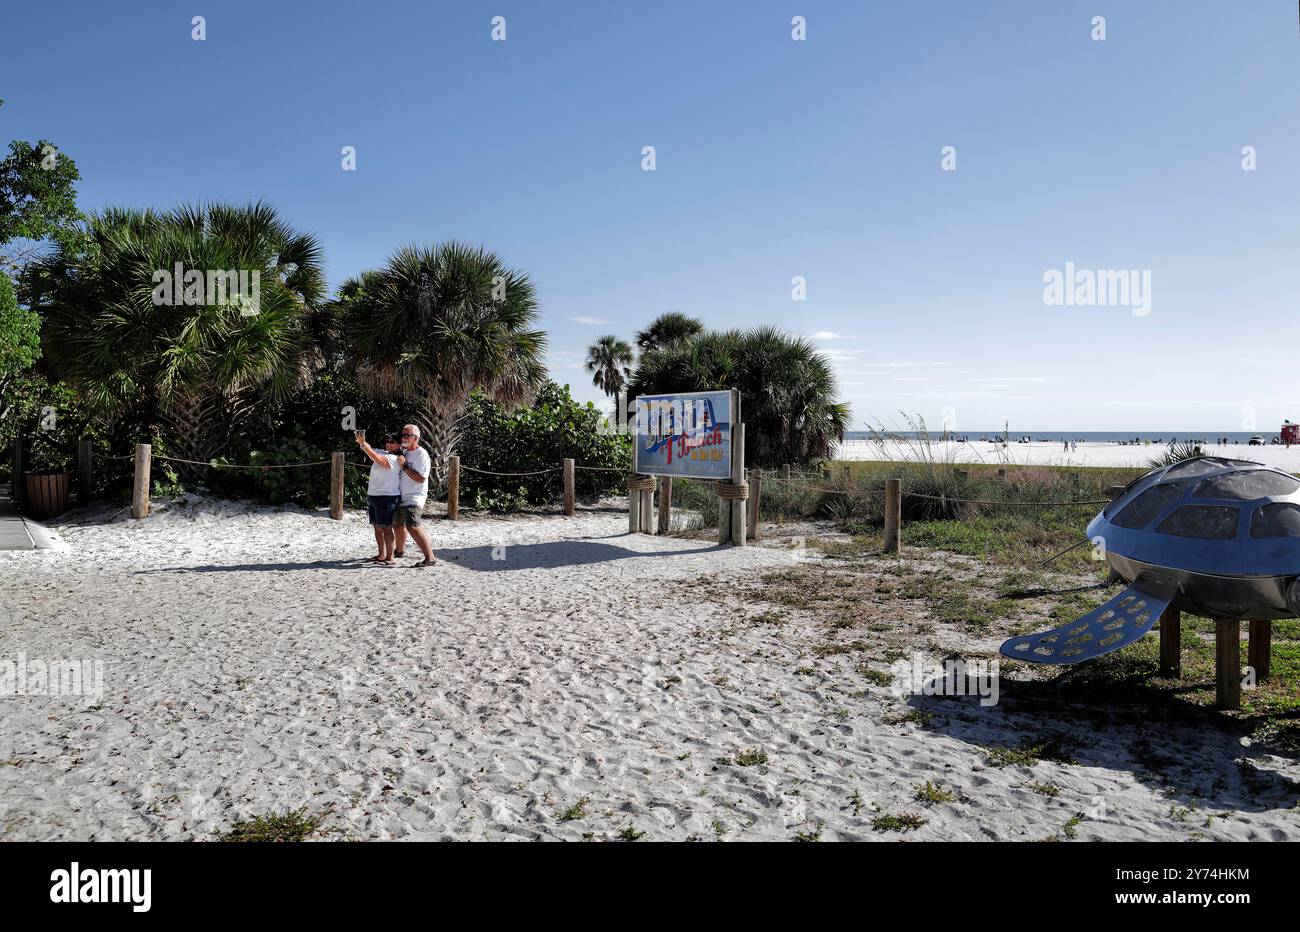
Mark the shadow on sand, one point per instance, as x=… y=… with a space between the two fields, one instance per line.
x=1196 y=757
x=482 y=559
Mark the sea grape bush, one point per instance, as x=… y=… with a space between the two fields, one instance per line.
x=554 y=427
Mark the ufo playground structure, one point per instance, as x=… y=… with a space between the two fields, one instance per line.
x=1215 y=537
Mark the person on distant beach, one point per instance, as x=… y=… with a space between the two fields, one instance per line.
x=414 y=464
x=382 y=494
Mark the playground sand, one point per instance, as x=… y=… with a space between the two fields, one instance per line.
x=583 y=683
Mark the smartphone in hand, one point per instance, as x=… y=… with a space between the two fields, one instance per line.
x=361 y=436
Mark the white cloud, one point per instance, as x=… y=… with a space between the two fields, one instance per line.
x=592 y=321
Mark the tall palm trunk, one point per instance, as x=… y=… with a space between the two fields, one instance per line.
x=439 y=432
x=199 y=426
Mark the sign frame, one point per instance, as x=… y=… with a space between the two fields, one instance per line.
x=661 y=447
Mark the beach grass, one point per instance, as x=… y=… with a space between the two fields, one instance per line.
x=294 y=825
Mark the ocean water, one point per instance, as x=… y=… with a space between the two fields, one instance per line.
x=1090 y=436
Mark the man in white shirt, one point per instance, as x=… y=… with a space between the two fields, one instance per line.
x=382 y=494
x=414 y=463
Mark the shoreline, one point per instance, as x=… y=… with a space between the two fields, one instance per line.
x=1048 y=453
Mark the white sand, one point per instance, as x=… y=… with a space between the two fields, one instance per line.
x=1051 y=454
x=248 y=671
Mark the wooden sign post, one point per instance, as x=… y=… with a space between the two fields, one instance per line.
x=733 y=493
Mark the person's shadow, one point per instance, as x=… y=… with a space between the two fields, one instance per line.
x=549 y=554
x=505 y=556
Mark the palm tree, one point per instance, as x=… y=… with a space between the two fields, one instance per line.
x=201 y=366
x=668 y=330
x=609 y=360
x=436 y=323
x=787 y=389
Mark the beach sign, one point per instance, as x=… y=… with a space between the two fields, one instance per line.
x=686 y=434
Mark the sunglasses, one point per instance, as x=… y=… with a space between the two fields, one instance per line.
x=404 y=436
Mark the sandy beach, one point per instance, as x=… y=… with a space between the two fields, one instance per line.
x=552 y=678
x=1044 y=453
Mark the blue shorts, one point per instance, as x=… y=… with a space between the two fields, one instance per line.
x=381 y=508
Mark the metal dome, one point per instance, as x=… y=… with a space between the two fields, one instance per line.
x=1215 y=537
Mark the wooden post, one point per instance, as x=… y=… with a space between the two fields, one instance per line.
x=1261 y=646
x=1114 y=491
x=738 y=523
x=1227 y=664
x=755 y=491
x=1171 y=643
x=1002 y=475
x=140 y=488
x=570 y=496
x=85 y=455
x=844 y=473
x=337 y=464
x=647 y=511
x=665 y=504
x=633 y=510
x=453 y=488
x=724 y=521
x=893 y=513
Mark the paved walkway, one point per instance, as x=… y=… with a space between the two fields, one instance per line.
x=13 y=529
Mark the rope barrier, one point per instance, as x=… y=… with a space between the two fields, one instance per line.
x=978 y=501
x=636 y=483
x=488 y=472
x=942 y=498
x=175 y=459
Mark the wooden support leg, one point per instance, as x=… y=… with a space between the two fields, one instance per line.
x=1171 y=643
x=647 y=512
x=1227 y=664
x=1261 y=646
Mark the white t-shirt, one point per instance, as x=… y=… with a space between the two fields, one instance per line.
x=412 y=492
x=384 y=481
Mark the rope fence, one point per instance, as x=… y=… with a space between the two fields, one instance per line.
x=637 y=485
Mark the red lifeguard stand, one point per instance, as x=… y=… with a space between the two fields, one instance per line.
x=1290 y=433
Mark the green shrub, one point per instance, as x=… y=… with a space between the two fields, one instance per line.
x=533 y=438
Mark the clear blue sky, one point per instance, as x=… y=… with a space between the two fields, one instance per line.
x=776 y=158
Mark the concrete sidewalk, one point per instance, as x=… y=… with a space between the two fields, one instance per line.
x=16 y=532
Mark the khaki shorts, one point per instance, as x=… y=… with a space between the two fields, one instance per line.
x=408 y=515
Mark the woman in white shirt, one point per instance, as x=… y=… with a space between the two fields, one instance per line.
x=383 y=494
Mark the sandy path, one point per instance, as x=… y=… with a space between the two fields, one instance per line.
x=247 y=670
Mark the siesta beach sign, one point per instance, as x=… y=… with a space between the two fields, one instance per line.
x=686 y=434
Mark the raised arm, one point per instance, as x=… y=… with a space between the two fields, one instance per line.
x=369 y=451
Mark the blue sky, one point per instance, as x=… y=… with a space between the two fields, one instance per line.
x=775 y=159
